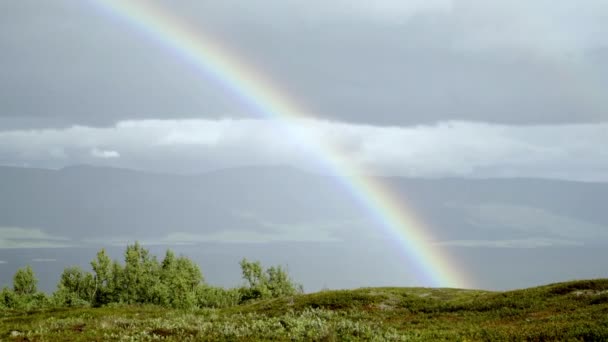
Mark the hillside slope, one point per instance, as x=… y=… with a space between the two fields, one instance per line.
x=572 y=311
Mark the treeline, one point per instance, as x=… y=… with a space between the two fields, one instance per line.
x=175 y=282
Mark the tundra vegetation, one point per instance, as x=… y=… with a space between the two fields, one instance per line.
x=145 y=299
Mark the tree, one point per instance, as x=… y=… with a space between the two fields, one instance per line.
x=280 y=284
x=102 y=279
x=273 y=282
x=252 y=272
x=72 y=279
x=140 y=276
x=168 y=264
x=180 y=277
x=116 y=281
x=188 y=273
x=75 y=287
x=24 y=281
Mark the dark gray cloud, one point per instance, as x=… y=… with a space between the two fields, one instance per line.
x=75 y=65
x=516 y=62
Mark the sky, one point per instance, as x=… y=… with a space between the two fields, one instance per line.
x=433 y=88
x=448 y=94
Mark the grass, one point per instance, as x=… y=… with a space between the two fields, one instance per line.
x=572 y=311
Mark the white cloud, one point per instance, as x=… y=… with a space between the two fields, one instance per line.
x=385 y=9
x=532 y=221
x=104 y=154
x=13 y=244
x=519 y=243
x=452 y=148
x=292 y=234
x=44 y=260
x=3 y=262
x=17 y=237
x=541 y=227
x=319 y=231
x=27 y=233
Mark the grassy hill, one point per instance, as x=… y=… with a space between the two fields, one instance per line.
x=572 y=311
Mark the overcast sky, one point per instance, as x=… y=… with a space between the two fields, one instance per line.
x=469 y=88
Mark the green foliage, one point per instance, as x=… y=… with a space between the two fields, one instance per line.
x=116 y=282
x=24 y=281
x=574 y=311
x=8 y=299
x=180 y=276
x=140 y=276
x=176 y=282
x=142 y=280
x=216 y=297
x=75 y=288
x=271 y=283
x=103 y=279
x=280 y=284
x=584 y=285
x=375 y=314
x=24 y=295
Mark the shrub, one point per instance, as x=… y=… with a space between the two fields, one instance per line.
x=142 y=280
x=180 y=277
x=8 y=298
x=75 y=288
x=24 y=281
x=273 y=282
x=216 y=297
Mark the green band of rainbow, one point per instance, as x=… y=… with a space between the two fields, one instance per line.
x=215 y=61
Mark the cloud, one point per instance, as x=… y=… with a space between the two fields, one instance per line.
x=532 y=221
x=267 y=231
x=379 y=62
x=44 y=260
x=381 y=9
x=3 y=262
x=288 y=234
x=19 y=244
x=444 y=149
x=16 y=237
x=27 y=233
x=519 y=243
x=104 y=154
x=506 y=225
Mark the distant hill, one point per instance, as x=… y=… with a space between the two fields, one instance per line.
x=93 y=202
x=503 y=233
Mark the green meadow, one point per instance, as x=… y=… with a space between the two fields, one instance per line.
x=573 y=311
x=145 y=299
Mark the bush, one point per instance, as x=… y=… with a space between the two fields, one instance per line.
x=175 y=282
x=8 y=298
x=142 y=280
x=271 y=283
x=24 y=281
x=62 y=297
x=216 y=297
x=180 y=278
x=75 y=288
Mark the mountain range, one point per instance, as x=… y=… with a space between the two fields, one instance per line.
x=271 y=210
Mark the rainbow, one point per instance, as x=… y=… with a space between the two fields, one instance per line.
x=214 y=60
